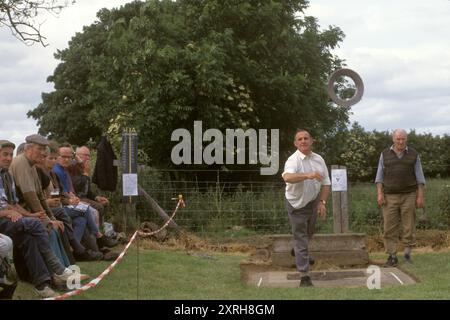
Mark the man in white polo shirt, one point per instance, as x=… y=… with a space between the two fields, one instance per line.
x=307 y=189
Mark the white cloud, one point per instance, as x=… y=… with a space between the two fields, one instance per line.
x=14 y=125
x=401 y=51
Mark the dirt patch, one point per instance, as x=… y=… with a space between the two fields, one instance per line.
x=429 y=240
x=184 y=240
x=257 y=246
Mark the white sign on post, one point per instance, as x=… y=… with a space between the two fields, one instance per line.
x=129 y=184
x=339 y=179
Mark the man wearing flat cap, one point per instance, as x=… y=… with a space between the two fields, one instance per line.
x=6 y=153
x=6 y=143
x=7 y=185
x=28 y=185
x=33 y=256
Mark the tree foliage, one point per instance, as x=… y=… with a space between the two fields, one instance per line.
x=21 y=17
x=360 y=153
x=160 y=65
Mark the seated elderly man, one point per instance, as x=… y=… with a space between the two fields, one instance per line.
x=34 y=260
x=80 y=172
x=31 y=195
x=61 y=170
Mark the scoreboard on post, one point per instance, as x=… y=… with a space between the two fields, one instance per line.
x=129 y=156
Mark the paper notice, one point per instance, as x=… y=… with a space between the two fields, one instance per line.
x=339 y=179
x=129 y=184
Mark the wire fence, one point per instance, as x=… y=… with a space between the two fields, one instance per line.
x=217 y=202
x=238 y=203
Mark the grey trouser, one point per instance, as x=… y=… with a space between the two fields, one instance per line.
x=302 y=221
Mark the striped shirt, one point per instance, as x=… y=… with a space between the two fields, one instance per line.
x=4 y=198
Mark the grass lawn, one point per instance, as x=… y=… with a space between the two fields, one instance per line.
x=177 y=275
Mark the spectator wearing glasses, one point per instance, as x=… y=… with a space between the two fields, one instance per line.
x=80 y=172
x=74 y=221
x=64 y=161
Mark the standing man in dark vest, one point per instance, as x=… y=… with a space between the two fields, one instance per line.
x=400 y=188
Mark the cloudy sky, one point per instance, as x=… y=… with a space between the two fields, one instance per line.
x=400 y=48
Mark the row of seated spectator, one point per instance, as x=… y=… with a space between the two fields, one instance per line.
x=43 y=219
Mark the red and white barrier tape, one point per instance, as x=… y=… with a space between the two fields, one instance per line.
x=96 y=281
x=179 y=204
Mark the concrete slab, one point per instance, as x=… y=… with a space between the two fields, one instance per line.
x=348 y=258
x=341 y=261
x=322 y=242
x=343 y=250
x=349 y=278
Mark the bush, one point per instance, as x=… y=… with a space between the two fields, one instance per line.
x=444 y=205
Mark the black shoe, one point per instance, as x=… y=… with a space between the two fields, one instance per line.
x=106 y=241
x=105 y=250
x=305 y=281
x=110 y=256
x=89 y=255
x=392 y=261
x=7 y=291
x=408 y=258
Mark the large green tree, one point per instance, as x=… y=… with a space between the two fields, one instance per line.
x=161 y=65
